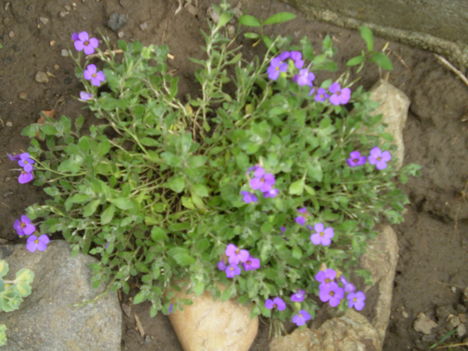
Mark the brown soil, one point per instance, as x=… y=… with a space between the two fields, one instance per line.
x=431 y=272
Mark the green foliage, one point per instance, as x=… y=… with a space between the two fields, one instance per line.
x=12 y=292
x=153 y=188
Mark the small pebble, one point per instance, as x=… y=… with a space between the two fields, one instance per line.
x=44 y=20
x=64 y=52
x=461 y=330
x=120 y=34
x=67 y=7
x=52 y=43
x=41 y=77
x=144 y=26
x=9 y=124
x=11 y=34
x=56 y=67
x=23 y=95
x=116 y=21
x=63 y=13
x=7 y=6
x=424 y=324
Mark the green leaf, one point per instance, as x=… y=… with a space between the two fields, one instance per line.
x=149 y=141
x=368 y=37
x=158 y=234
x=355 y=61
x=224 y=19
x=176 y=183
x=90 y=208
x=182 y=256
x=107 y=215
x=201 y=190
x=280 y=17
x=123 y=203
x=380 y=59
x=140 y=297
x=249 y=21
x=251 y=35
x=297 y=188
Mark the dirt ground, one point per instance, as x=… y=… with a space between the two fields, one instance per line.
x=432 y=270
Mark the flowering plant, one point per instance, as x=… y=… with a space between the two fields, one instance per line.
x=267 y=180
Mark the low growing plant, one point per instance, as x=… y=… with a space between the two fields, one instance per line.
x=267 y=180
x=12 y=292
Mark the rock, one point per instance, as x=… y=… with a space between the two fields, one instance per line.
x=11 y=34
x=41 y=77
x=44 y=20
x=117 y=21
x=394 y=106
x=144 y=26
x=49 y=319
x=213 y=325
x=461 y=330
x=350 y=332
x=9 y=124
x=424 y=324
x=380 y=260
x=64 y=52
x=62 y=14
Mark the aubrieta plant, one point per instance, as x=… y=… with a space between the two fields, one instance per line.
x=264 y=186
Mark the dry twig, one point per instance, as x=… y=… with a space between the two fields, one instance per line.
x=452 y=68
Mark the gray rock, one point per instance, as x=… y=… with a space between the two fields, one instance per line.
x=381 y=259
x=394 y=106
x=117 y=21
x=49 y=319
x=350 y=332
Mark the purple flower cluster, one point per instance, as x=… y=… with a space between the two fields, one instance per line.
x=330 y=291
x=335 y=94
x=237 y=256
x=83 y=42
x=27 y=164
x=277 y=302
x=376 y=157
x=92 y=74
x=280 y=63
x=322 y=236
x=260 y=181
x=24 y=226
x=302 y=218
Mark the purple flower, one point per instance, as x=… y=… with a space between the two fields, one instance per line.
x=276 y=67
x=284 y=56
x=356 y=300
x=74 y=36
x=302 y=210
x=262 y=181
x=96 y=77
x=331 y=293
x=339 y=96
x=85 y=96
x=26 y=162
x=356 y=159
x=252 y=264
x=13 y=157
x=326 y=276
x=283 y=229
x=86 y=44
x=379 y=158
x=322 y=235
x=300 y=220
x=236 y=255
x=24 y=226
x=25 y=177
x=301 y=318
x=248 y=197
x=348 y=287
x=171 y=308
x=232 y=270
x=37 y=243
x=221 y=265
x=321 y=95
x=304 y=77
x=296 y=56
x=271 y=193
x=298 y=296
x=276 y=302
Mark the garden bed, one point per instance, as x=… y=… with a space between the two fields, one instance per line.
x=431 y=273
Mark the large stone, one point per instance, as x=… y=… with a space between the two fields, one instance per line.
x=49 y=319
x=394 y=106
x=381 y=259
x=213 y=325
x=350 y=332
